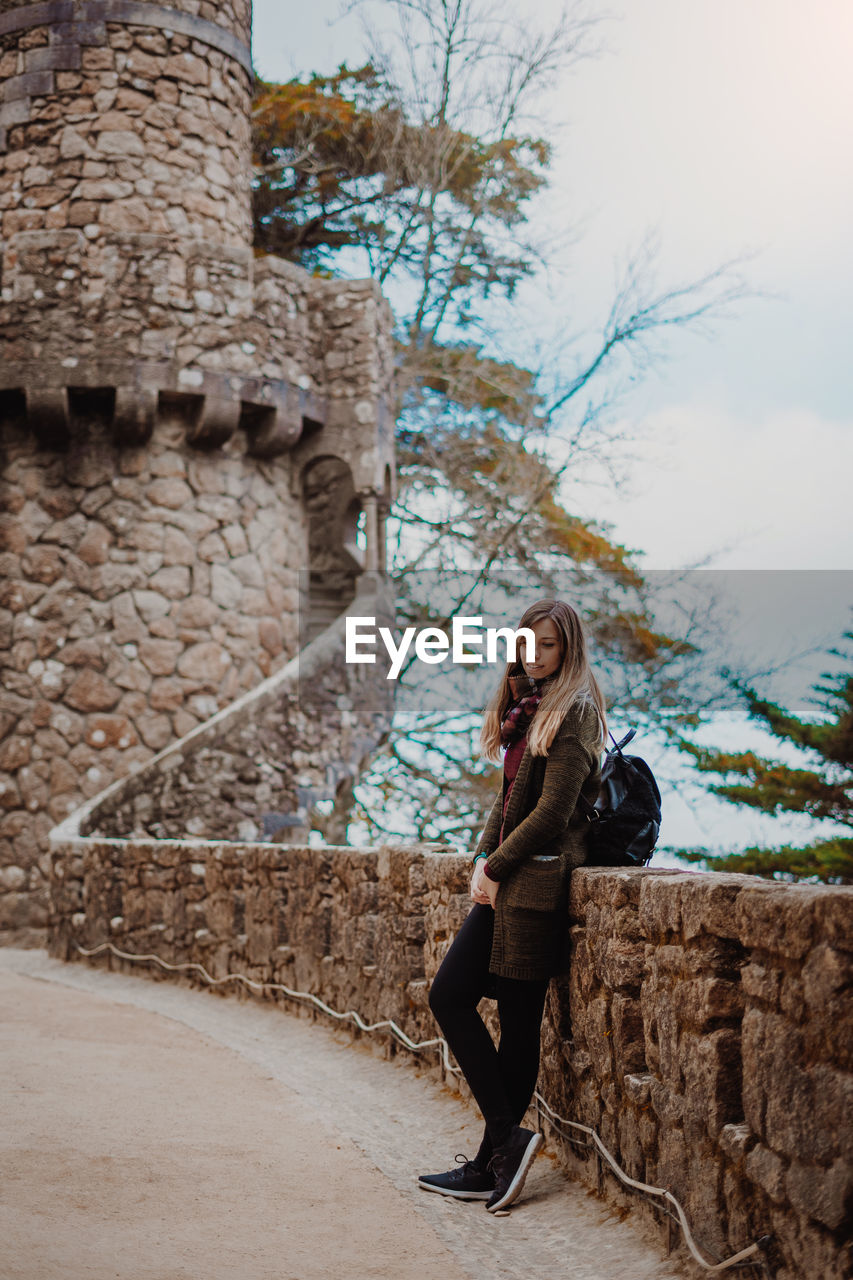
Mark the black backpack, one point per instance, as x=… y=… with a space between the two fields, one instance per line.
x=624 y=822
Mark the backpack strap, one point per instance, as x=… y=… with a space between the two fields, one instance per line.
x=589 y=810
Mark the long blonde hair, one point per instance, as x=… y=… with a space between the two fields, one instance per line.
x=571 y=683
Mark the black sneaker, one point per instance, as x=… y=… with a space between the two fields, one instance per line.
x=468 y=1182
x=510 y=1164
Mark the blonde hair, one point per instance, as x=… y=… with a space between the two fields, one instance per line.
x=572 y=683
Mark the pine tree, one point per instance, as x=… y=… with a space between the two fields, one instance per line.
x=822 y=789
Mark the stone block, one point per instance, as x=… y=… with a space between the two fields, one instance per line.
x=83 y=212
x=195 y=612
x=671 y=1170
x=94 y=547
x=833 y=1091
x=32 y=84
x=623 y=964
x=160 y=657
x=205 y=662
x=14 y=111
x=131 y=100
x=110 y=731
x=638 y=1088
x=212 y=548
x=225 y=589
x=778 y=919
x=627 y=1034
x=172 y=581
x=708 y=905
x=90 y=691
x=834 y=918
x=150 y=604
x=185 y=67
x=660 y=905
x=168 y=695
x=13 y=878
x=826 y=973
x=711 y=1069
x=87 y=652
x=765 y=1168
x=170 y=492
x=662 y=1035
x=55 y=57
x=702 y=1001
x=119 y=143
x=67 y=81
x=819 y=1193
x=155 y=730
x=735 y=1140
x=790 y=1118
x=68 y=724
x=269 y=635
x=131 y=215
x=15 y=910
x=762 y=984
x=85 y=31
x=96 y=59
x=42 y=564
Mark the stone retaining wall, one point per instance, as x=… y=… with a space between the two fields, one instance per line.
x=704 y=1031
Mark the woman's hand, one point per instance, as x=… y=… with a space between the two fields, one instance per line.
x=483 y=890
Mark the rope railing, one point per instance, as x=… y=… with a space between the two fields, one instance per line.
x=387 y=1024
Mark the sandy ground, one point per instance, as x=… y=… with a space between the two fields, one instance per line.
x=150 y=1131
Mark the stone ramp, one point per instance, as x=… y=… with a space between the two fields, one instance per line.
x=158 y=1132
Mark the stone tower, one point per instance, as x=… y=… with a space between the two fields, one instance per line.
x=196 y=445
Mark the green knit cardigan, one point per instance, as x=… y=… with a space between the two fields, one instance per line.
x=541 y=822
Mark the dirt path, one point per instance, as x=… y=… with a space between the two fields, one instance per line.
x=154 y=1132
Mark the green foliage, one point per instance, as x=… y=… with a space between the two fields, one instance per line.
x=828 y=860
x=822 y=791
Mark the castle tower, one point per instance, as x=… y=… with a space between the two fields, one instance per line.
x=183 y=427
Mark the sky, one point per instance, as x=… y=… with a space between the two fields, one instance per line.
x=724 y=128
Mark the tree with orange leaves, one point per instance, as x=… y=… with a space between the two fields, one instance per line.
x=421 y=167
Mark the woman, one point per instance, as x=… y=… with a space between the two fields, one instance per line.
x=548 y=715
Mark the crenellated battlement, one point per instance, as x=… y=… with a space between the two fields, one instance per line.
x=229 y=342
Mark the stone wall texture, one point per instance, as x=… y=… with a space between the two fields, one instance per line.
x=188 y=434
x=704 y=1030
x=276 y=763
x=130 y=126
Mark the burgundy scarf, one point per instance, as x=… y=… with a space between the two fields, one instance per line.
x=527 y=693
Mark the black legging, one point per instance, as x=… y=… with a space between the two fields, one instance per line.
x=502 y=1080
